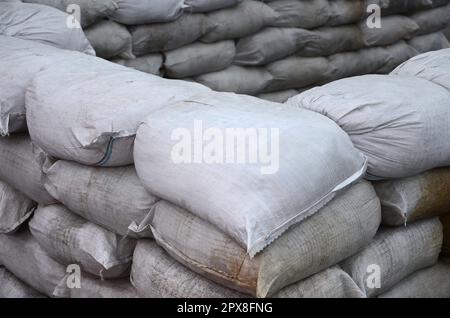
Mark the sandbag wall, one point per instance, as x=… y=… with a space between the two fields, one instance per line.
x=271 y=49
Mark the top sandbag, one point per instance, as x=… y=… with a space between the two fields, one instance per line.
x=432 y=66
x=277 y=164
x=95 y=107
x=42 y=24
x=399 y=122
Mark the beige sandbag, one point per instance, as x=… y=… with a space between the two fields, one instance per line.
x=433 y=282
x=446 y=244
x=70 y=239
x=150 y=63
x=15 y=208
x=340 y=229
x=411 y=199
x=429 y=42
x=113 y=198
x=433 y=20
x=394 y=254
x=199 y=58
x=12 y=287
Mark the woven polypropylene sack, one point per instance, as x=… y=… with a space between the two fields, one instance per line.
x=12 y=287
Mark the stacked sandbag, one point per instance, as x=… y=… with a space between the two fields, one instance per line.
x=12 y=287
x=446 y=244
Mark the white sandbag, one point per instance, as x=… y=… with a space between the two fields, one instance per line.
x=389 y=7
x=279 y=96
x=15 y=208
x=113 y=198
x=134 y=12
x=298 y=72
x=446 y=243
x=399 y=122
x=20 y=168
x=331 y=40
x=394 y=254
x=12 y=287
x=96 y=109
x=246 y=18
x=237 y=79
x=330 y=283
x=110 y=39
x=22 y=255
x=158 y=37
x=432 y=66
x=433 y=282
x=429 y=42
x=393 y=29
x=271 y=44
x=150 y=63
x=411 y=199
x=90 y=11
x=42 y=24
x=398 y=53
x=335 y=230
x=208 y=5
x=199 y=58
x=70 y=239
x=271 y=195
x=433 y=20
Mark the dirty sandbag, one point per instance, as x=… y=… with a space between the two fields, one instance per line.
x=446 y=244
x=271 y=44
x=110 y=39
x=135 y=12
x=246 y=18
x=394 y=28
x=432 y=66
x=43 y=24
x=12 y=287
x=398 y=53
x=15 y=209
x=207 y=250
x=397 y=252
x=279 y=96
x=98 y=122
x=90 y=11
x=343 y=12
x=199 y=58
x=159 y=37
x=237 y=79
x=390 y=119
x=209 y=5
x=433 y=20
x=113 y=198
x=389 y=7
x=286 y=198
x=411 y=199
x=70 y=239
x=150 y=63
x=21 y=169
x=429 y=42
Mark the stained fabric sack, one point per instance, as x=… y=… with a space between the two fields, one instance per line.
x=346 y=11
x=332 y=40
x=446 y=244
x=150 y=63
x=113 y=198
x=335 y=230
x=134 y=12
x=199 y=58
x=411 y=199
x=389 y=7
x=20 y=168
x=398 y=53
x=246 y=18
x=209 y=5
x=393 y=29
x=70 y=239
x=391 y=119
x=237 y=79
x=158 y=37
x=433 y=282
x=90 y=11
x=277 y=192
x=98 y=122
x=22 y=255
x=15 y=208
x=110 y=39
x=298 y=72
x=429 y=42
x=12 y=287
x=279 y=96
x=397 y=253
x=433 y=20
x=432 y=66
x=271 y=44
x=42 y=24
